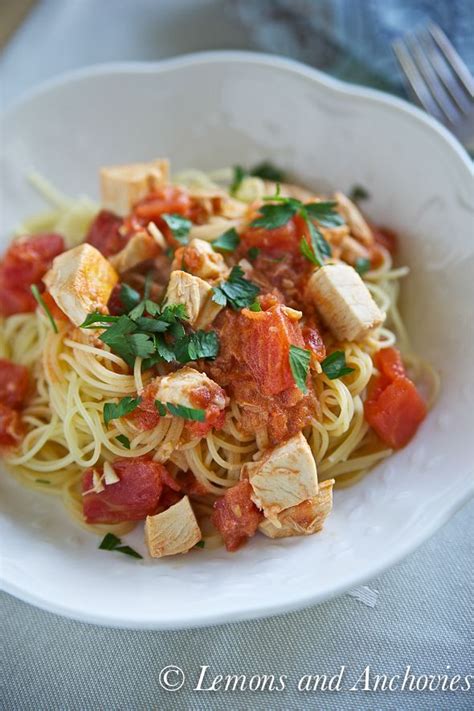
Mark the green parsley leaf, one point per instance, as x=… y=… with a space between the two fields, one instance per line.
x=237 y=291
x=273 y=216
x=239 y=175
x=187 y=413
x=358 y=193
x=255 y=306
x=201 y=344
x=117 y=337
x=362 y=265
x=95 y=320
x=110 y=542
x=129 y=297
x=114 y=410
x=124 y=440
x=200 y=544
x=151 y=325
x=253 y=253
x=173 y=313
x=228 y=241
x=325 y=213
x=41 y=302
x=180 y=226
x=268 y=171
x=334 y=366
x=161 y=409
x=170 y=253
x=164 y=350
x=141 y=344
x=321 y=248
x=307 y=252
x=299 y=364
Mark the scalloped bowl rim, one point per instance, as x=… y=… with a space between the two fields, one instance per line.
x=409 y=545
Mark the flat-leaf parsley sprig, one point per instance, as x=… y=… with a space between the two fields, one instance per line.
x=152 y=332
x=282 y=209
x=237 y=292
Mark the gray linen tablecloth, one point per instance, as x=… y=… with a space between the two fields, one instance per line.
x=417 y=615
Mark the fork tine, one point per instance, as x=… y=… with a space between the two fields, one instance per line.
x=433 y=83
x=415 y=81
x=443 y=71
x=458 y=67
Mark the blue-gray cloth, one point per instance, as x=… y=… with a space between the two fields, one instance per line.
x=423 y=613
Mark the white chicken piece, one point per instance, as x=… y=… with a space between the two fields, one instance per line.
x=139 y=248
x=354 y=219
x=122 y=186
x=173 y=531
x=81 y=281
x=305 y=518
x=201 y=260
x=196 y=295
x=177 y=388
x=344 y=302
x=284 y=477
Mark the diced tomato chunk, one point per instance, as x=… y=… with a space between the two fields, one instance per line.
x=104 y=233
x=385 y=238
x=265 y=338
x=235 y=515
x=314 y=342
x=11 y=427
x=134 y=497
x=395 y=411
x=190 y=485
x=170 y=199
x=14 y=382
x=389 y=362
x=25 y=263
x=280 y=240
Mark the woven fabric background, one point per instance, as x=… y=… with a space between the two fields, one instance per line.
x=423 y=611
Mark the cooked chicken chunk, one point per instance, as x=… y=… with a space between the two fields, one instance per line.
x=354 y=219
x=352 y=250
x=124 y=185
x=139 y=248
x=81 y=281
x=305 y=518
x=179 y=387
x=195 y=294
x=200 y=259
x=173 y=531
x=284 y=477
x=344 y=302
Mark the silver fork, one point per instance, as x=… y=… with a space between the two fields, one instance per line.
x=438 y=80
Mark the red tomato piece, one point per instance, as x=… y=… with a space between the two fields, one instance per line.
x=385 y=238
x=389 y=362
x=104 y=233
x=280 y=240
x=235 y=515
x=14 y=382
x=265 y=338
x=11 y=427
x=170 y=199
x=215 y=418
x=28 y=258
x=15 y=300
x=134 y=497
x=396 y=411
x=190 y=485
x=314 y=342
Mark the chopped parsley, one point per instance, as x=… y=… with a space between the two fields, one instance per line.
x=281 y=210
x=124 y=440
x=299 y=364
x=180 y=226
x=362 y=265
x=154 y=333
x=359 y=193
x=129 y=297
x=36 y=293
x=255 y=306
x=253 y=253
x=111 y=542
x=264 y=170
x=334 y=366
x=228 y=241
x=187 y=413
x=237 y=292
x=200 y=544
x=114 y=410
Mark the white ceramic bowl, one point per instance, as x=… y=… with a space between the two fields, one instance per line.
x=216 y=109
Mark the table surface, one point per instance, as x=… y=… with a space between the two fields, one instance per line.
x=417 y=614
